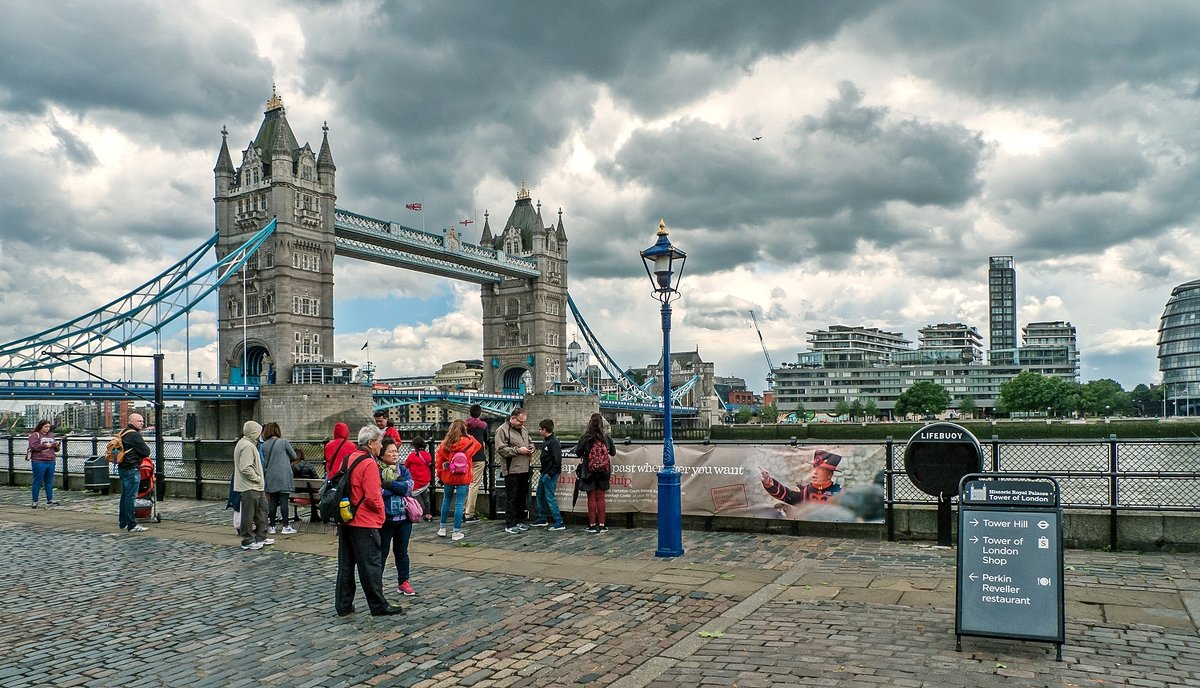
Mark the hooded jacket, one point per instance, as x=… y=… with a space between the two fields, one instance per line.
x=338 y=448
x=508 y=440
x=247 y=467
x=478 y=428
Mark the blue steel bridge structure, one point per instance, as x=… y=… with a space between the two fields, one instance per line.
x=139 y=317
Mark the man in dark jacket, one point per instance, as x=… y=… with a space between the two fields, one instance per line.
x=136 y=449
x=547 y=499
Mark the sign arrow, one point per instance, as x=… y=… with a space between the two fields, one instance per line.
x=974 y=522
x=974 y=539
x=973 y=577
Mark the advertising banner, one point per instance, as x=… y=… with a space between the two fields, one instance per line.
x=803 y=482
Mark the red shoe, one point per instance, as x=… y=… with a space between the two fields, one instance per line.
x=406 y=588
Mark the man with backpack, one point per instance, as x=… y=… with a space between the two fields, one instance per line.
x=515 y=448
x=136 y=449
x=359 y=546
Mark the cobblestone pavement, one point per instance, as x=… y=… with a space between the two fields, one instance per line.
x=182 y=605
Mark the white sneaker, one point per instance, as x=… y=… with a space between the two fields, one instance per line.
x=442 y=531
x=458 y=535
x=288 y=530
x=271 y=530
x=268 y=541
x=253 y=545
x=138 y=529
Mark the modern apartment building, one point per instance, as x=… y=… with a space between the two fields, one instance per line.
x=1002 y=303
x=949 y=355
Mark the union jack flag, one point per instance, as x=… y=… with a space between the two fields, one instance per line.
x=413 y=206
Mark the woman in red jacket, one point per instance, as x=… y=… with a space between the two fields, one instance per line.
x=454 y=468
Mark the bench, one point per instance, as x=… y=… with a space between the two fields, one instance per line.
x=305 y=492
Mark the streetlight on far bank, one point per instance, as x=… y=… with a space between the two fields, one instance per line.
x=664 y=266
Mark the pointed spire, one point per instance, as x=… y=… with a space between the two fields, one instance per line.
x=562 y=233
x=486 y=239
x=224 y=161
x=325 y=157
x=541 y=225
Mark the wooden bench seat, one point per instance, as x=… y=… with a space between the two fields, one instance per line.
x=305 y=492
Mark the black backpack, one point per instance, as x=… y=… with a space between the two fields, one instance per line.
x=337 y=488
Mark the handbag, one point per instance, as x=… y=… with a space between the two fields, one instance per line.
x=413 y=507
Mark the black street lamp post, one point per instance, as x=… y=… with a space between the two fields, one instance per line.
x=664 y=265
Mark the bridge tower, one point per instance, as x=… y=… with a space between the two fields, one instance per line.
x=279 y=312
x=525 y=320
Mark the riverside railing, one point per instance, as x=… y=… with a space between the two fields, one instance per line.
x=1110 y=474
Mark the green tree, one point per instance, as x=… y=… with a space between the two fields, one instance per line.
x=871 y=409
x=857 y=409
x=1146 y=400
x=743 y=415
x=967 y=407
x=768 y=413
x=924 y=398
x=841 y=408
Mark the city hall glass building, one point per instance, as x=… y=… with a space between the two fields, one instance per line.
x=1179 y=349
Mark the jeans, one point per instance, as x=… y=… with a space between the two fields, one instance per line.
x=130 y=480
x=396 y=534
x=43 y=474
x=547 y=500
x=516 y=488
x=277 y=500
x=358 y=549
x=458 y=493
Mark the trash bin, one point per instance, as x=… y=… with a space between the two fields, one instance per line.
x=96 y=474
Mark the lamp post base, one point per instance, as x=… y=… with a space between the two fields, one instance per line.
x=670 y=514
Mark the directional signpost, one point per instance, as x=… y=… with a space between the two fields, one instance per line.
x=1010 y=559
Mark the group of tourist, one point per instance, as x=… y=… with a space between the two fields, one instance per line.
x=386 y=493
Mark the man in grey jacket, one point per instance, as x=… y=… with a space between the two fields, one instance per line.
x=248 y=480
x=515 y=448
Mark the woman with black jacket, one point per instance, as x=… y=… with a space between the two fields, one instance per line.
x=594 y=482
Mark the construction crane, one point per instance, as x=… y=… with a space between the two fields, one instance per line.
x=770 y=365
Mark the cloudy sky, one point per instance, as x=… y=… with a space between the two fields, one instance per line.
x=902 y=144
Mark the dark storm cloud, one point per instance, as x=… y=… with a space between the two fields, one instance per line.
x=70 y=145
x=456 y=92
x=824 y=184
x=1060 y=50
x=150 y=58
x=1083 y=166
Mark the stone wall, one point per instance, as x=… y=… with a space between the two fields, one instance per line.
x=309 y=411
x=570 y=412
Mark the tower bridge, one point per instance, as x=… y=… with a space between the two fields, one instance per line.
x=278 y=231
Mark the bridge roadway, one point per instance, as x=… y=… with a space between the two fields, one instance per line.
x=91 y=390
x=182 y=605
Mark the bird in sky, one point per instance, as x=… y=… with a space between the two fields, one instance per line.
x=757 y=138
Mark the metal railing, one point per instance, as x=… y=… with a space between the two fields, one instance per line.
x=1112 y=474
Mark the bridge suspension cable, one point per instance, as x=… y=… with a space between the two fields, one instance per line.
x=129 y=318
x=629 y=388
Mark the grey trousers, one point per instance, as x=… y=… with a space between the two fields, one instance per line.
x=254 y=516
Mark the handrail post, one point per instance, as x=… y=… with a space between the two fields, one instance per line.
x=1113 y=465
x=12 y=469
x=995 y=453
x=199 y=471
x=889 y=486
x=65 y=444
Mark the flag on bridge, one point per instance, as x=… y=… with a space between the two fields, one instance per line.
x=413 y=206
